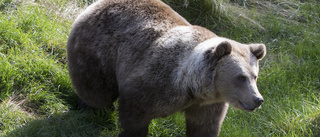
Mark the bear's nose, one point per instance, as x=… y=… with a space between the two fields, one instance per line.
x=259 y=101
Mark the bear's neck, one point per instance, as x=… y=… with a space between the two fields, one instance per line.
x=192 y=76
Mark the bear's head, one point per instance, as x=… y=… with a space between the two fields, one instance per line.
x=236 y=72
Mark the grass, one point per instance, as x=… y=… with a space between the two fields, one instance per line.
x=37 y=99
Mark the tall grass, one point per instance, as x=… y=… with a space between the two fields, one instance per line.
x=37 y=99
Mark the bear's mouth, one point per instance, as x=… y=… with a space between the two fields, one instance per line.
x=246 y=107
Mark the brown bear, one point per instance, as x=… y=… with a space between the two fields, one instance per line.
x=156 y=63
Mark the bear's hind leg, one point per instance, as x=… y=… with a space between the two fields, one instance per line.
x=205 y=121
x=134 y=118
x=95 y=89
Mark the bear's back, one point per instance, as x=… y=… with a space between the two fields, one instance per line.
x=131 y=25
x=128 y=16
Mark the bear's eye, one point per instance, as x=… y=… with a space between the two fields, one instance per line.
x=242 y=78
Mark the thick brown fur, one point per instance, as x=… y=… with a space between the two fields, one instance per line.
x=156 y=63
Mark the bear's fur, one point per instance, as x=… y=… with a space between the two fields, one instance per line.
x=156 y=63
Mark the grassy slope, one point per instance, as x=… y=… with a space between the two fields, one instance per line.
x=37 y=98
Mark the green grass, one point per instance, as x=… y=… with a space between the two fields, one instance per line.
x=37 y=98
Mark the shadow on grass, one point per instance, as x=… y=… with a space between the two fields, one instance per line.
x=315 y=126
x=72 y=124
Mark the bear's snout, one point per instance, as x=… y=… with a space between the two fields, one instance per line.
x=251 y=106
x=258 y=102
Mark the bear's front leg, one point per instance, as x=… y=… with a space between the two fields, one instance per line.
x=133 y=119
x=205 y=121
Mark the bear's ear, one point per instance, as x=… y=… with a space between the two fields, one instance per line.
x=224 y=48
x=259 y=50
